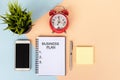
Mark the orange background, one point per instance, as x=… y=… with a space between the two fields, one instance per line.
x=92 y=22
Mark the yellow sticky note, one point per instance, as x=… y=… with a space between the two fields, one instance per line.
x=85 y=55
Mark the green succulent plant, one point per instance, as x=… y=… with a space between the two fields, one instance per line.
x=17 y=19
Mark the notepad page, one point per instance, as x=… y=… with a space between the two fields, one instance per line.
x=51 y=56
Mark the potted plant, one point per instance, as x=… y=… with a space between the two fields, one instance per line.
x=18 y=20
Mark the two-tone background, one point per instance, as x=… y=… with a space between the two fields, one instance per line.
x=92 y=22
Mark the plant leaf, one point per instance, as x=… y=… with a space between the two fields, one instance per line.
x=17 y=19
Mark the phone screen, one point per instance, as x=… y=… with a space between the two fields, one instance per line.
x=22 y=55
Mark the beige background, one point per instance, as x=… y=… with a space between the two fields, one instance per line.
x=92 y=22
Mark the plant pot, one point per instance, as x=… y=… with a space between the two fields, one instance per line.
x=26 y=30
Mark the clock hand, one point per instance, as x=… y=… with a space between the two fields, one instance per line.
x=58 y=22
x=59 y=19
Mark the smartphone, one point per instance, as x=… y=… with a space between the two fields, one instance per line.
x=22 y=55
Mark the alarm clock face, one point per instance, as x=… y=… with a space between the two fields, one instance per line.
x=59 y=21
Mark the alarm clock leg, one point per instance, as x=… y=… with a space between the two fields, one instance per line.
x=65 y=31
x=52 y=31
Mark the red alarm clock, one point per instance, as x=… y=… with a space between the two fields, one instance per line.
x=59 y=20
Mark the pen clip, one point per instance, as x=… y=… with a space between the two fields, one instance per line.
x=71 y=47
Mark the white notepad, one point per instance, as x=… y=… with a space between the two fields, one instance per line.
x=50 y=56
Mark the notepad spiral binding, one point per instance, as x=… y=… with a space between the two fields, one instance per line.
x=37 y=58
